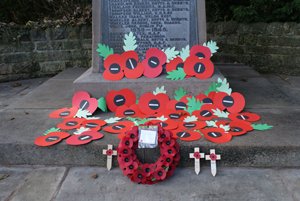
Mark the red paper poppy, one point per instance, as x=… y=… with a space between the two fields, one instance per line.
x=239 y=127
x=200 y=51
x=69 y=124
x=153 y=64
x=109 y=152
x=82 y=100
x=50 y=139
x=138 y=177
x=194 y=125
x=187 y=135
x=206 y=99
x=151 y=104
x=175 y=115
x=213 y=157
x=176 y=105
x=216 y=135
x=113 y=67
x=197 y=155
x=160 y=174
x=121 y=136
x=147 y=169
x=84 y=138
x=127 y=142
x=130 y=168
x=132 y=111
x=245 y=116
x=64 y=113
x=205 y=113
x=200 y=68
x=124 y=151
x=168 y=143
x=222 y=122
x=126 y=160
x=116 y=99
x=234 y=103
x=94 y=124
x=167 y=125
x=119 y=127
x=133 y=133
x=174 y=64
x=130 y=63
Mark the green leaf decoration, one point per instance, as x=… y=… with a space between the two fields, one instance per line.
x=162 y=118
x=160 y=90
x=185 y=53
x=104 y=50
x=224 y=86
x=137 y=121
x=220 y=113
x=81 y=130
x=212 y=87
x=225 y=127
x=211 y=124
x=83 y=113
x=102 y=104
x=190 y=118
x=179 y=93
x=113 y=120
x=171 y=53
x=261 y=127
x=212 y=45
x=129 y=42
x=193 y=104
x=178 y=74
x=51 y=130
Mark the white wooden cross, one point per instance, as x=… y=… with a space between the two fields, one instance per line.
x=109 y=152
x=213 y=157
x=197 y=156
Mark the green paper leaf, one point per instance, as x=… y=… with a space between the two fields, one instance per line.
x=104 y=50
x=83 y=113
x=102 y=104
x=190 y=118
x=225 y=127
x=171 y=53
x=220 y=113
x=162 y=118
x=211 y=124
x=178 y=74
x=160 y=90
x=81 y=130
x=224 y=86
x=212 y=87
x=212 y=45
x=137 y=121
x=113 y=120
x=179 y=93
x=193 y=104
x=261 y=127
x=51 y=130
x=185 y=52
x=129 y=42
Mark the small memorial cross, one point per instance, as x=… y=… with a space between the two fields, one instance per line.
x=197 y=156
x=109 y=152
x=213 y=157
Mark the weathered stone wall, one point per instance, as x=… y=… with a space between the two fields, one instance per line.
x=35 y=52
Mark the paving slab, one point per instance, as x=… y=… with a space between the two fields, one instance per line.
x=291 y=179
x=232 y=184
x=10 y=178
x=40 y=184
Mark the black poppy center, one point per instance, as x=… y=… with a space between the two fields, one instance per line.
x=153 y=62
x=154 y=104
x=125 y=151
x=207 y=101
x=132 y=136
x=147 y=170
x=214 y=134
x=180 y=106
x=51 y=138
x=180 y=65
x=174 y=116
x=129 y=112
x=115 y=68
x=131 y=167
x=140 y=176
x=118 y=127
x=228 y=101
x=200 y=55
x=189 y=125
x=168 y=160
x=236 y=129
x=242 y=117
x=84 y=104
x=168 y=143
x=64 y=114
x=119 y=100
x=84 y=137
x=205 y=113
x=127 y=143
x=183 y=134
x=91 y=125
x=131 y=63
x=126 y=159
x=169 y=151
x=163 y=136
x=160 y=173
x=71 y=123
x=199 y=68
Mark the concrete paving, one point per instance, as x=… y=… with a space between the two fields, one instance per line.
x=25 y=117
x=94 y=183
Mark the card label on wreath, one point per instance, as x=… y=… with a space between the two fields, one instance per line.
x=148 y=137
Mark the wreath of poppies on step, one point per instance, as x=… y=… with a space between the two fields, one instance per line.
x=194 y=62
x=146 y=173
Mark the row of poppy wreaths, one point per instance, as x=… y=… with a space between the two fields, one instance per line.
x=217 y=114
x=178 y=64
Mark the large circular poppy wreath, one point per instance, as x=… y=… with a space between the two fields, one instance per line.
x=148 y=173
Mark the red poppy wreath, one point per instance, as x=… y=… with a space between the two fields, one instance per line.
x=145 y=173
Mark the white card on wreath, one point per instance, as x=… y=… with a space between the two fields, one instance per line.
x=148 y=137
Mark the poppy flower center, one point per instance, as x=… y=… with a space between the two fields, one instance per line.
x=125 y=151
x=168 y=143
x=163 y=124
x=64 y=114
x=154 y=104
x=127 y=143
x=91 y=125
x=132 y=136
x=228 y=101
x=199 y=68
x=51 y=138
x=180 y=65
x=153 y=62
x=119 y=100
x=131 y=167
x=163 y=136
x=84 y=137
x=129 y=112
x=131 y=63
x=140 y=176
x=168 y=160
x=205 y=113
x=118 y=127
x=183 y=134
x=115 y=68
x=214 y=134
x=180 y=106
x=126 y=159
x=189 y=125
x=170 y=151
x=242 y=117
x=71 y=123
x=147 y=170
x=207 y=101
x=174 y=116
x=84 y=104
x=160 y=173
x=200 y=55
x=236 y=129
